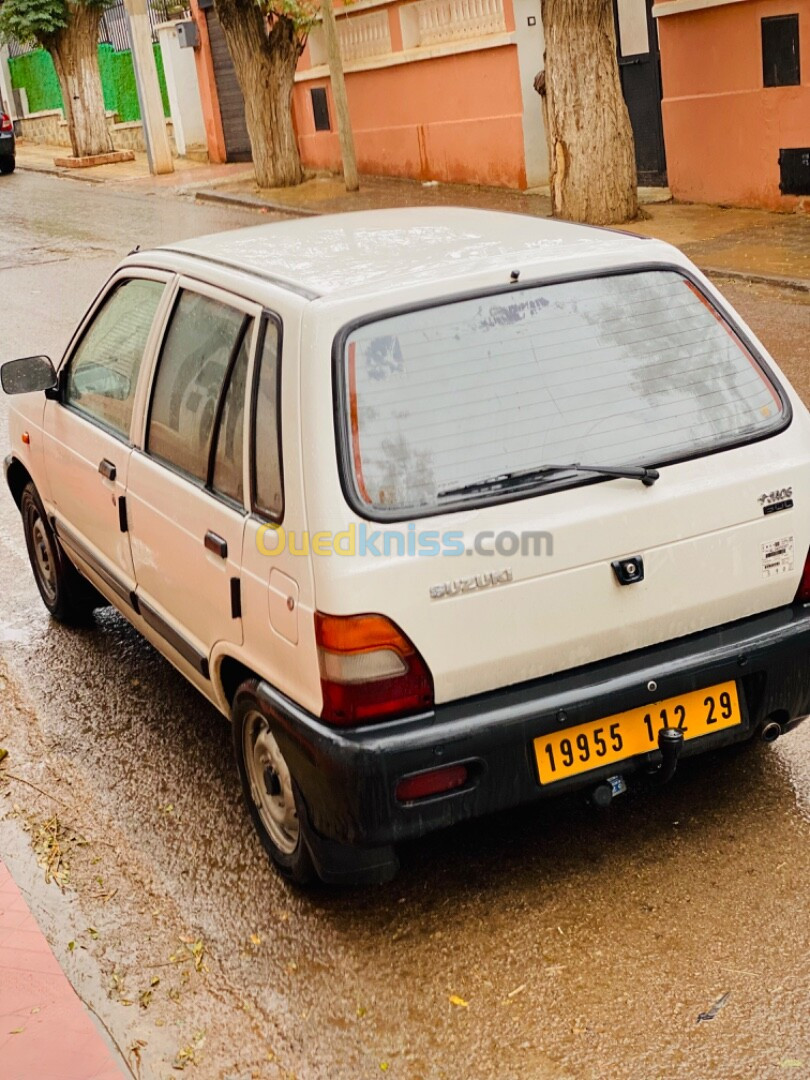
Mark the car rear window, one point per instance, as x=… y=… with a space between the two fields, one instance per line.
x=636 y=368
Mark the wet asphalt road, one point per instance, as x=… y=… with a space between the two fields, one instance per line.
x=583 y=945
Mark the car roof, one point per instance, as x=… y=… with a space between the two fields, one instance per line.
x=355 y=254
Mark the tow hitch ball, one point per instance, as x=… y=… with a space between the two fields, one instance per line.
x=670 y=744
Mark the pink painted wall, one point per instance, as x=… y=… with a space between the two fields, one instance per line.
x=452 y=118
x=723 y=129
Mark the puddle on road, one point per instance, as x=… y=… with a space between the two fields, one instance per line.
x=10 y=635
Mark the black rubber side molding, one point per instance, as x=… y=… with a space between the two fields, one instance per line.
x=236 y=598
x=179 y=643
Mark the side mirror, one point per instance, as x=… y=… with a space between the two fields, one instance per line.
x=28 y=375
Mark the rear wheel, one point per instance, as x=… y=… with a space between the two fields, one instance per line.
x=66 y=594
x=270 y=791
x=7 y=165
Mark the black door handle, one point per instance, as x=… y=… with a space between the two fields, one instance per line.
x=107 y=469
x=216 y=544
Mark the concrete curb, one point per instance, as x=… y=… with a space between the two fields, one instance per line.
x=254 y=203
x=799 y=284
x=66 y=174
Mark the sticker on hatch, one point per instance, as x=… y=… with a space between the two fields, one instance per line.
x=777 y=557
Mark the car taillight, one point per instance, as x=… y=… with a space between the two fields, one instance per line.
x=5 y=123
x=803 y=592
x=369 y=670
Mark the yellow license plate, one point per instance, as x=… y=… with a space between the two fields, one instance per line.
x=603 y=742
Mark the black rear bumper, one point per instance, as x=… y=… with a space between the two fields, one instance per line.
x=347 y=778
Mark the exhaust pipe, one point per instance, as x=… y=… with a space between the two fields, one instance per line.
x=771 y=732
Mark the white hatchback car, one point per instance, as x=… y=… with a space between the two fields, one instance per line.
x=447 y=510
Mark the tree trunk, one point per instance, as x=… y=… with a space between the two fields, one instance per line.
x=265 y=67
x=74 y=51
x=592 y=166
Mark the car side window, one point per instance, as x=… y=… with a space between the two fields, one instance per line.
x=228 y=474
x=203 y=337
x=103 y=371
x=266 y=455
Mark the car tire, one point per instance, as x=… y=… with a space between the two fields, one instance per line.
x=66 y=594
x=7 y=165
x=271 y=793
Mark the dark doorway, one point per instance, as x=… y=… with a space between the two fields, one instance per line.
x=640 y=71
x=229 y=92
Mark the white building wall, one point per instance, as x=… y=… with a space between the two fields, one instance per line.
x=530 y=49
x=183 y=91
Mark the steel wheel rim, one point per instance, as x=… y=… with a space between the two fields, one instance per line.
x=43 y=557
x=270 y=784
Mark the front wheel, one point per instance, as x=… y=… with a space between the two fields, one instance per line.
x=65 y=593
x=269 y=788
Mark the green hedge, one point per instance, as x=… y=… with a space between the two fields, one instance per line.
x=35 y=73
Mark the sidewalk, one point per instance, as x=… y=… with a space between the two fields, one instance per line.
x=755 y=245
x=46 y=1033
x=38 y=157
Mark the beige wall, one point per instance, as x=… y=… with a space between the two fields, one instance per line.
x=49 y=128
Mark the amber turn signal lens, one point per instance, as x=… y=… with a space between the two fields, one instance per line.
x=370 y=670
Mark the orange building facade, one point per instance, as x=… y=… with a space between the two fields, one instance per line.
x=438 y=90
x=736 y=85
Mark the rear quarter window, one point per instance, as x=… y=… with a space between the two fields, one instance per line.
x=634 y=368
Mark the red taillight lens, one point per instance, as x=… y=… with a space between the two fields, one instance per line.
x=369 y=670
x=803 y=592
x=434 y=782
x=5 y=123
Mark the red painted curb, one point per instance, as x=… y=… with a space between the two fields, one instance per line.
x=45 y=1029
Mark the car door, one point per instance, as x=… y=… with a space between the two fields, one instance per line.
x=186 y=480
x=87 y=428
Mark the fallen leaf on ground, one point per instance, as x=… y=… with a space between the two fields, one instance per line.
x=713 y=1010
x=459 y=1001
x=3 y=754
x=256 y=939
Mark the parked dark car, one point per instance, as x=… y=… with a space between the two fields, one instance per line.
x=7 y=152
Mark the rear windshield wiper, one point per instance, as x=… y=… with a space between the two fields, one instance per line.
x=507 y=480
